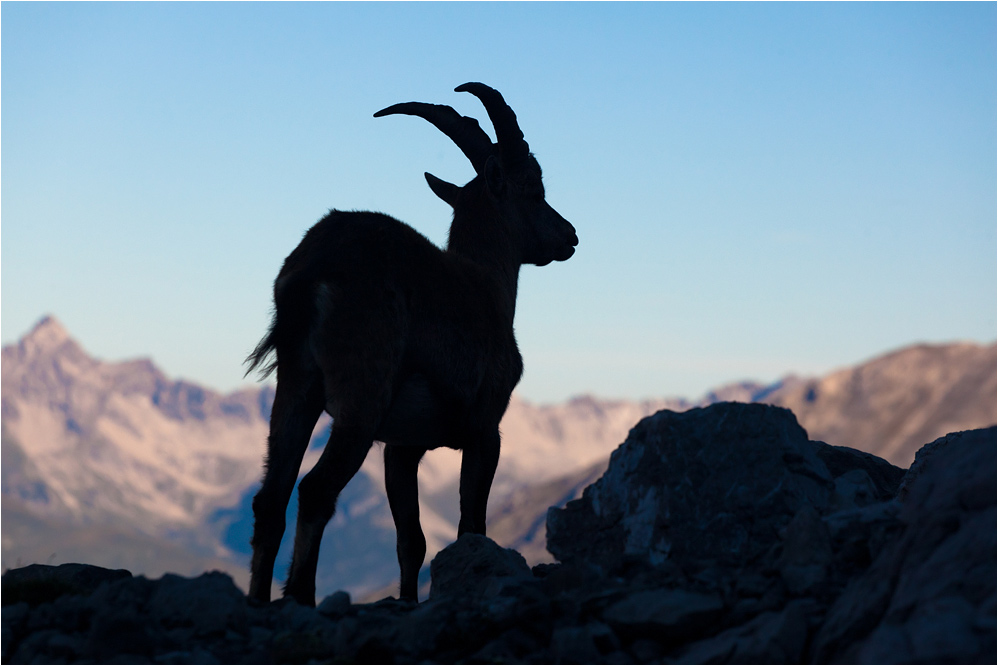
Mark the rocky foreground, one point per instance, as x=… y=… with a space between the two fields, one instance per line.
x=718 y=535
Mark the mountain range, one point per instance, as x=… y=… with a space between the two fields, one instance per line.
x=116 y=464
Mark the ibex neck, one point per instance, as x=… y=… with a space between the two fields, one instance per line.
x=484 y=243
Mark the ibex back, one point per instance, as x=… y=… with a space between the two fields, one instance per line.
x=402 y=342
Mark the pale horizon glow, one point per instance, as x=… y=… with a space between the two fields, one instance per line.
x=759 y=189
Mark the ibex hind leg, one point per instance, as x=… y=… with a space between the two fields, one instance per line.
x=357 y=342
x=401 y=465
x=357 y=401
x=317 y=494
x=297 y=406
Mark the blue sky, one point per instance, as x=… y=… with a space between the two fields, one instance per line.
x=758 y=188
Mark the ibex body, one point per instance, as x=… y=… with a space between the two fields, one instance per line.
x=402 y=342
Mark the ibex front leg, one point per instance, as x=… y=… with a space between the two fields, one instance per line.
x=401 y=465
x=478 y=467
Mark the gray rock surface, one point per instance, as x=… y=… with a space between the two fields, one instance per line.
x=40 y=582
x=671 y=615
x=929 y=594
x=714 y=484
x=474 y=566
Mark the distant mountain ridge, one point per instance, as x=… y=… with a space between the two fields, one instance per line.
x=893 y=404
x=120 y=438
x=122 y=448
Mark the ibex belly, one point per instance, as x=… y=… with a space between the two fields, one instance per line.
x=417 y=417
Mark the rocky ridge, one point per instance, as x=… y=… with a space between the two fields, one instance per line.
x=893 y=404
x=718 y=535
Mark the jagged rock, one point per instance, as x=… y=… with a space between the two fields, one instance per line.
x=875 y=474
x=711 y=484
x=38 y=583
x=929 y=596
x=763 y=499
x=510 y=647
x=120 y=625
x=206 y=605
x=475 y=566
x=665 y=615
x=853 y=489
x=769 y=638
x=941 y=446
x=195 y=656
x=858 y=535
x=335 y=605
x=574 y=645
x=807 y=552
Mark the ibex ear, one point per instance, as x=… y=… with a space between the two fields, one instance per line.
x=443 y=189
x=495 y=179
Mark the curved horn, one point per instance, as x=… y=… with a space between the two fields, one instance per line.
x=508 y=135
x=463 y=131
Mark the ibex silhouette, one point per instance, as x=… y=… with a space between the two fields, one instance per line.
x=402 y=342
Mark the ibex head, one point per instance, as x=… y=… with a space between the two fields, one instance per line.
x=507 y=174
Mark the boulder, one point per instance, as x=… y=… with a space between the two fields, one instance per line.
x=666 y=615
x=775 y=637
x=943 y=447
x=710 y=485
x=475 y=566
x=336 y=605
x=807 y=552
x=841 y=461
x=210 y=604
x=38 y=583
